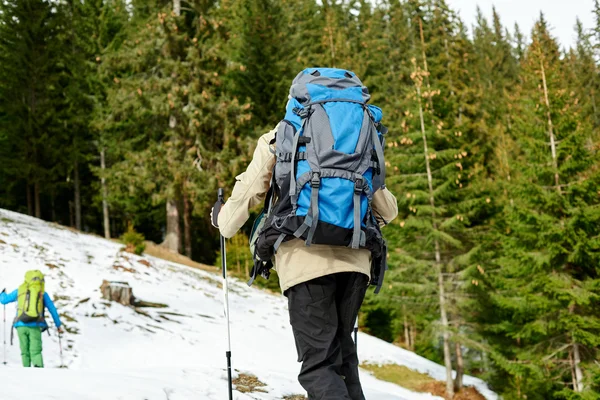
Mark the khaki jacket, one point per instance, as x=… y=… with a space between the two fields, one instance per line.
x=295 y=262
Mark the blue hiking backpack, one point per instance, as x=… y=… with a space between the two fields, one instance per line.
x=329 y=150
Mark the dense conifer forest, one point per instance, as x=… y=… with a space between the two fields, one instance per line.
x=118 y=115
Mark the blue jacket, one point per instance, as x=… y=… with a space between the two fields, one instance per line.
x=48 y=303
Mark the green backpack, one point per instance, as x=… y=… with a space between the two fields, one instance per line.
x=30 y=300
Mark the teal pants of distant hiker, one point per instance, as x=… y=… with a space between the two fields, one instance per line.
x=30 y=339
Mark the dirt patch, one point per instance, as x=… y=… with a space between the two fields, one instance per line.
x=439 y=389
x=51 y=266
x=71 y=330
x=118 y=267
x=67 y=317
x=145 y=262
x=6 y=220
x=2 y=241
x=294 y=397
x=248 y=383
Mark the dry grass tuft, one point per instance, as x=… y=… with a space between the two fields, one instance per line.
x=245 y=383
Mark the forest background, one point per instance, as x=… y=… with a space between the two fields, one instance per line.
x=119 y=115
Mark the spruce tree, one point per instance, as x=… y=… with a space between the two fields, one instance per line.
x=171 y=117
x=545 y=279
x=30 y=51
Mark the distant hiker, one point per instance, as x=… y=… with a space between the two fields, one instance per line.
x=321 y=173
x=31 y=301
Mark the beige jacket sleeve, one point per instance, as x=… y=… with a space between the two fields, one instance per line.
x=250 y=188
x=385 y=206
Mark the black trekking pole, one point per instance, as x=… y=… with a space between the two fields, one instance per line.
x=356 y=333
x=4 y=329
x=215 y=217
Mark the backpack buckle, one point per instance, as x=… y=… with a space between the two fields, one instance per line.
x=301 y=112
x=381 y=128
x=315 y=180
x=358 y=185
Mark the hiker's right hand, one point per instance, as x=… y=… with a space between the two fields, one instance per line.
x=60 y=329
x=212 y=221
x=3 y=290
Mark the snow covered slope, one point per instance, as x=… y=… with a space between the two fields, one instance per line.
x=116 y=352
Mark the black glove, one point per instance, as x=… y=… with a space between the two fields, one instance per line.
x=3 y=290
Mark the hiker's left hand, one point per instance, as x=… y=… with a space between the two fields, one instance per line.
x=60 y=329
x=3 y=290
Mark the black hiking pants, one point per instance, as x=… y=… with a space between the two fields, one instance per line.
x=322 y=314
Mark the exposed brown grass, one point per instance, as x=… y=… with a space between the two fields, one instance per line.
x=417 y=381
x=438 y=388
x=399 y=375
x=118 y=267
x=246 y=383
x=294 y=397
x=155 y=250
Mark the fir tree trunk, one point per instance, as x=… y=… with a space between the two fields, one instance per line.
x=406 y=328
x=177 y=7
x=29 y=199
x=77 y=199
x=187 y=225
x=442 y=297
x=105 y=215
x=424 y=55
x=460 y=368
x=446 y=334
x=52 y=209
x=71 y=214
x=173 y=238
x=331 y=44
x=36 y=195
x=573 y=374
x=595 y=108
x=578 y=377
x=550 y=128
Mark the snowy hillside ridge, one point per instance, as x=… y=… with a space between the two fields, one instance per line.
x=117 y=352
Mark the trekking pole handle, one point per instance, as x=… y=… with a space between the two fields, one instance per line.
x=217 y=207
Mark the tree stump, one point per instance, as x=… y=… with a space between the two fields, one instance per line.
x=119 y=292
x=122 y=293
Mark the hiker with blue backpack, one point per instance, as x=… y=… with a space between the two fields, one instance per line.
x=321 y=174
x=32 y=300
